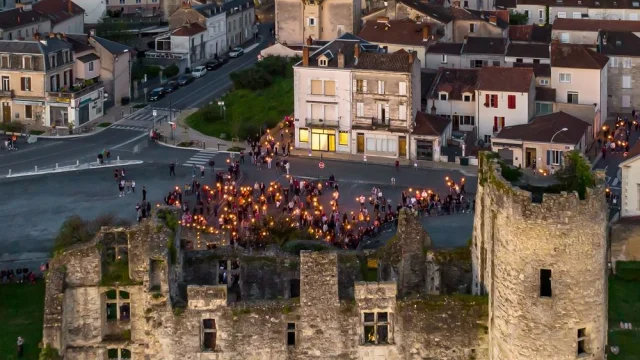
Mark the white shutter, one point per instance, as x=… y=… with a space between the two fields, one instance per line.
x=309 y=86
x=379 y=114
x=308 y=111
x=626 y=82
x=380 y=87
x=402 y=110
x=402 y=88
x=626 y=101
x=386 y=111
x=364 y=85
x=360 y=109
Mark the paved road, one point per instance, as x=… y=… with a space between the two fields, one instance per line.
x=33 y=208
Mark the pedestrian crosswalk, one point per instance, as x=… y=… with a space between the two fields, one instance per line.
x=127 y=127
x=143 y=119
x=613 y=182
x=201 y=158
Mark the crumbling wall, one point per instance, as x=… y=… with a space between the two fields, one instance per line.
x=625 y=240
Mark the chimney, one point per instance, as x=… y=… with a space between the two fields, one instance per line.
x=69 y=6
x=493 y=19
x=383 y=19
x=356 y=51
x=433 y=107
x=465 y=39
x=92 y=32
x=426 y=32
x=340 y=59
x=305 y=56
x=411 y=57
x=309 y=41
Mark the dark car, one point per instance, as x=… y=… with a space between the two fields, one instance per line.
x=184 y=80
x=156 y=94
x=213 y=64
x=171 y=86
x=223 y=60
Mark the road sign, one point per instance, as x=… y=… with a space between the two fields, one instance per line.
x=321 y=165
x=155 y=112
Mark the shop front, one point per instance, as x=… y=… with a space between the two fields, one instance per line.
x=381 y=144
x=57 y=112
x=30 y=111
x=88 y=108
x=424 y=149
x=318 y=139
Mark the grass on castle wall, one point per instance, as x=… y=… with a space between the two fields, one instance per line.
x=624 y=305
x=21 y=314
x=246 y=111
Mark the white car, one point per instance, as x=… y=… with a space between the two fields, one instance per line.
x=236 y=52
x=199 y=71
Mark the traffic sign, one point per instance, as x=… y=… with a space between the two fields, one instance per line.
x=321 y=165
x=155 y=112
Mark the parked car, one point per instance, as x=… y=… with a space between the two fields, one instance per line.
x=156 y=94
x=223 y=60
x=171 y=86
x=184 y=80
x=236 y=52
x=213 y=64
x=199 y=71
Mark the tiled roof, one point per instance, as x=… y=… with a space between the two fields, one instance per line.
x=596 y=25
x=519 y=50
x=345 y=43
x=634 y=151
x=88 y=58
x=576 y=57
x=111 y=46
x=80 y=42
x=426 y=82
x=530 y=33
x=618 y=43
x=445 y=48
x=484 y=45
x=571 y=3
x=455 y=82
x=545 y=94
x=542 y=128
x=189 y=30
x=398 y=61
x=502 y=16
x=58 y=10
x=598 y=4
x=430 y=125
x=506 y=79
x=403 y=32
x=20 y=47
x=17 y=17
x=539 y=70
x=436 y=12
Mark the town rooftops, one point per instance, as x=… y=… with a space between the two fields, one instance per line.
x=80 y=42
x=399 y=61
x=542 y=128
x=484 y=45
x=430 y=125
x=446 y=48
x=18 y=17
x=502 y=16
x=599 y=4
x=618 y=43
x=596 y=25
x=539 y=70
x=436 y=12
x=632 y=154
x=455 y=82
x=88 y=58
x=112 y=46
x=576 y=57
x=505 y=79
x=404 y=32
x=530 y=33
x=189 y=30
x=520 y=50
x=58 y=10
x=345 y=43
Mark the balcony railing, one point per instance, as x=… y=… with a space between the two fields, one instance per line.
x=6 y=93
x=76 y=91
x=322 y=122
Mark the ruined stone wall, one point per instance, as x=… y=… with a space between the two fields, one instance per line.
x=513 y=240
x=625 y=240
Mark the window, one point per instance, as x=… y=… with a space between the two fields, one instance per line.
x=118 y=354
x=53 y=61
x=582 y=338
x=467 y=97
x=343 y=138
x=562 y=15
x=311 y=21
x=577 y=15
x=543 y=108
x=498 y=123
x=5 y=83
x=511 y=101
x=519 y=60
x=544 y=82
x=496 y=63
x=626 y=82
x=291 y=334
x=361 y=86
x=478 y=63
x=467 y=120
x=564 y=38
x=402 y=112
x=473 y=27
x=572 y=97
x=443 y=96
x=443 y=59
x=565 y=78
x=4 y=62
x=376 y=328
x=540 y=15
x=303 y=135
x=527 y=13
x=91 y=66
x=626 y=101
x=117 y=305
x=545 y=279
x=380 y=87
x=330 y=88
x=491 y=101
x=316 y=87
x=402 y=88
x=323 y=62
x=465 y=4
x=626 y=63
x=556 y=159
x=536 y=61
x=26 y=62
x=614 y=62
x=28 y=111
x=633 y=16
x=359 y=109
x=65 y=56
x=209 y=333
x=25 y=83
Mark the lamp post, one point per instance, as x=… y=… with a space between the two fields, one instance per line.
x=223 y=110
x=551 y=142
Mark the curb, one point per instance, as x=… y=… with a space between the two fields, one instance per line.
x=86 y=166
x=212 y=150
x=53 y=137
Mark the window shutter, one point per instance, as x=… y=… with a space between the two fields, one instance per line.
x=364 y=85
x=496 y=101
x=486 y=102
x=548 y=157
x=355 y=85
x=402 y=112
x=379 y=114
x=561 y=156
x=495 y=124
x=386 y=112
x=309 y=87
x=308 y=111
x=402 y=88
x=502 y=122
x=22 y=84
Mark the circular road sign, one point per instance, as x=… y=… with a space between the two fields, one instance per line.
x=321 y=165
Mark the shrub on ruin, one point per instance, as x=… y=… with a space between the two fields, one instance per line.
x=76 y=230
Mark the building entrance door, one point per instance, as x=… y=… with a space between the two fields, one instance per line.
x=424 y=150
x=360 y=140
x=402 y=146
x=6 y=112
x=530 y=157
x=323 y=140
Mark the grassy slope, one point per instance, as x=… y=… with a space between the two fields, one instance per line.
x=21 y=314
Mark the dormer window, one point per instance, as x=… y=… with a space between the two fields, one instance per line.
x=443 y=96
x=53 y=61
x=323 y=62
x=467 y=97
x=65 y=56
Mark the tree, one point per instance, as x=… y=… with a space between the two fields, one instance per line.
x=546 y=15
x=76 y=230
x=49 y=353
x=516 y=18
x=576 y=175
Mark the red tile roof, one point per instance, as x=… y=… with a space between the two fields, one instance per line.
x=508 y=79
x=189 y=30
x=430 y=125
x=595 y=25
x=543 y=128
x=576 y=57
x=404 y=32
x=58 y=10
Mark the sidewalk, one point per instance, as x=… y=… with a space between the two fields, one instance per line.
x=72 y=167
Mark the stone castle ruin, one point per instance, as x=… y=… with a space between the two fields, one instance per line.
x=137 y=293
x=542 y=262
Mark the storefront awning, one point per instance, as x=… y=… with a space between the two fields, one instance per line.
x=28 y=102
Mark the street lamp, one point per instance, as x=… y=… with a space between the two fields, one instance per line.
x=223 y=110
x=551 y=142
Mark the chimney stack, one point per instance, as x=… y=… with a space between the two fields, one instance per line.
x=340 y=59
x=309 y=41
x=493 y=19
x=426 y=32
x=92 y=32
x=383 y=19
x=305 y=56
x=356 y=51
x=70 y=6
x=412 y=56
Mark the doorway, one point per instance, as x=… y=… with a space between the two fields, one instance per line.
x=402 y=146
x=424 y=150
x=6 y=112
x=323 y=140
x=456 y=122
x=360 y=141
x=530 y=157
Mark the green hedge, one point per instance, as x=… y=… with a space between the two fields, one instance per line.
x=628 y=270
x=171 y=71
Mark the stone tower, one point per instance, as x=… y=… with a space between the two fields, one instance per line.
x=543 y=264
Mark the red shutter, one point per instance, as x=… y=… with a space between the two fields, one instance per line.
x=495 y=124
x=495 y=100
x=512 y=101
x=486 y=101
